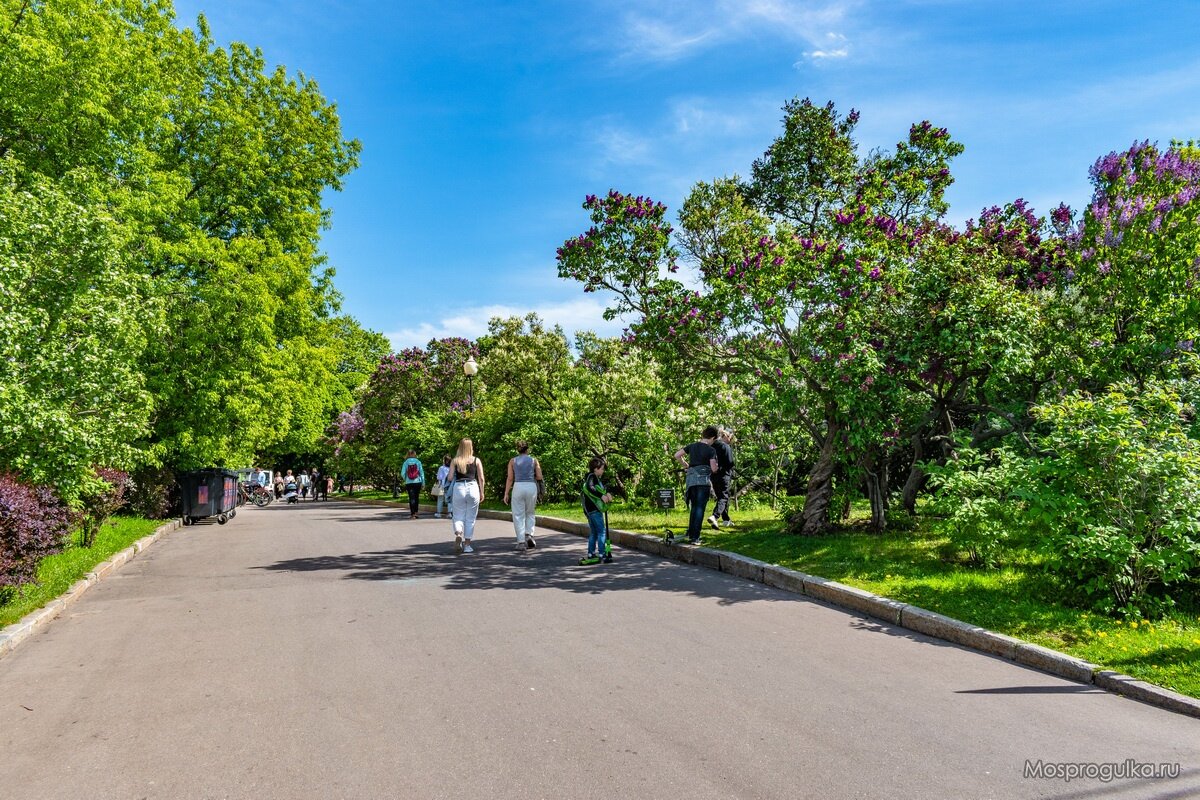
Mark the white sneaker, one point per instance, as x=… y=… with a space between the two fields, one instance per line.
x=712 y=520
x=437 y=516
x=468 y=548
x=529 y=542
x=458 y=542
x=521 y=547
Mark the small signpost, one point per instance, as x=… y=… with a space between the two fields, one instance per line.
x=665 y=499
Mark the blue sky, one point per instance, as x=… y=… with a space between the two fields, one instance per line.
x=484 y=124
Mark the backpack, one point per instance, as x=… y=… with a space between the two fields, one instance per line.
x=598 y=502
x=413 y=473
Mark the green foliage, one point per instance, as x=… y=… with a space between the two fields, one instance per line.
x=1118 y=495
x=74 y=322
x=974 y=505
x=163 y=298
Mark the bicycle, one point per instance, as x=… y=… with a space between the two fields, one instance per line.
x=260 y=495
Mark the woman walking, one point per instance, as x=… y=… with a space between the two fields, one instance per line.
x=414 y=481
x=468 y=494
x=442 y=484
x=524 y=477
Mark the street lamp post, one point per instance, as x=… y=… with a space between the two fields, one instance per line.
x=470 y=369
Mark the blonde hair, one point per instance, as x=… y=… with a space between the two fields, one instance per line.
x=465 y=456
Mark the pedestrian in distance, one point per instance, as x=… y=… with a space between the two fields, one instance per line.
x=304 y=481
x=722 y=479
x=595 y=503
x=468 y=494
x=441 y=488
x=414 y=481
x=524 y=479
x=700 y=458
x=278 y=485
x=316 y=483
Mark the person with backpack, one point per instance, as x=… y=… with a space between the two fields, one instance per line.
x=524 y=478
x=595 y=502
x=414 y=482
x=303 y=481
x=700 y=458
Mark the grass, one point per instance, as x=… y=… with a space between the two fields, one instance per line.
x=919 y=567
x=57 y=573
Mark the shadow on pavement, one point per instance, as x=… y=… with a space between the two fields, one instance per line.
x=554 y=564
x=1072 y=689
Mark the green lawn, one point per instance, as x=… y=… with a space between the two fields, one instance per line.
x=917 y=567
x=57 y=573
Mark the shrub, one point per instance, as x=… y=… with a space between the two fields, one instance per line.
x=1118 y=492
x=34 y=523
x=101 y=498
x=974 y=503
x=152 y=493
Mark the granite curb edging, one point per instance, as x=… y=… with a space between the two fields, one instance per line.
x=12 y=635
x=893 y=612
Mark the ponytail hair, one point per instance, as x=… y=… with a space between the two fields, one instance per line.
x=465 y=456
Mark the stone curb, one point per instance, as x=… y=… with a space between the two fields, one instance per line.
x=918 y=620
x=12 y=635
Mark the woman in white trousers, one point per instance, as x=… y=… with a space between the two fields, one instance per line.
x=524 y=477
x=468 y=494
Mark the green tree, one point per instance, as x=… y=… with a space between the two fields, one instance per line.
x=74 y=321
x=792 y=309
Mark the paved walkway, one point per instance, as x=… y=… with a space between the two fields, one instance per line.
x=342 y=651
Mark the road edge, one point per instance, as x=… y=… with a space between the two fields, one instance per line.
x=13 y=635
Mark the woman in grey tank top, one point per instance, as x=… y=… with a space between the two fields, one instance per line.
x=521 y=489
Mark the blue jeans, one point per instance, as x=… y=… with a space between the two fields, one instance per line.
x=596 y=533
x=698 y=500
x=443 y=501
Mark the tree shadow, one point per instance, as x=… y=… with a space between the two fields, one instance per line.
x=554 y=564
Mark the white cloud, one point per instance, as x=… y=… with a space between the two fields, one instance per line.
x=820 y=54
x=618 y=145
x=678 y=29
x=582 y=314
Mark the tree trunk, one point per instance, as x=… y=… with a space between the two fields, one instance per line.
x=877 y=491
x=814 y=519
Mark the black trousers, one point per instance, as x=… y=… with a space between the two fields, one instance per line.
x=722 y=482
x=414 y=496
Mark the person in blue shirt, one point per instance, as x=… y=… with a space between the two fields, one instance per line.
x=414 y=481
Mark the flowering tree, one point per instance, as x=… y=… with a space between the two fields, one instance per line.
x=976 y=339
x=1139 y=262
x=789 y=291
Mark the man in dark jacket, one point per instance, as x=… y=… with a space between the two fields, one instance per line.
x=722 y=479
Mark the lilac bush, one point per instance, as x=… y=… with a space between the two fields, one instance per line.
x=34 y=523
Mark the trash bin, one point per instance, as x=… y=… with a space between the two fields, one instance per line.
x=209 y=493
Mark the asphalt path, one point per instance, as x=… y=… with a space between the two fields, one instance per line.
x=336 y=650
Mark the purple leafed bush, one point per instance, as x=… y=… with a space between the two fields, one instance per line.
x=34 y=523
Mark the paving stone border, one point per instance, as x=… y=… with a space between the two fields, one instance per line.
x=12 y=635
x=913 y=618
